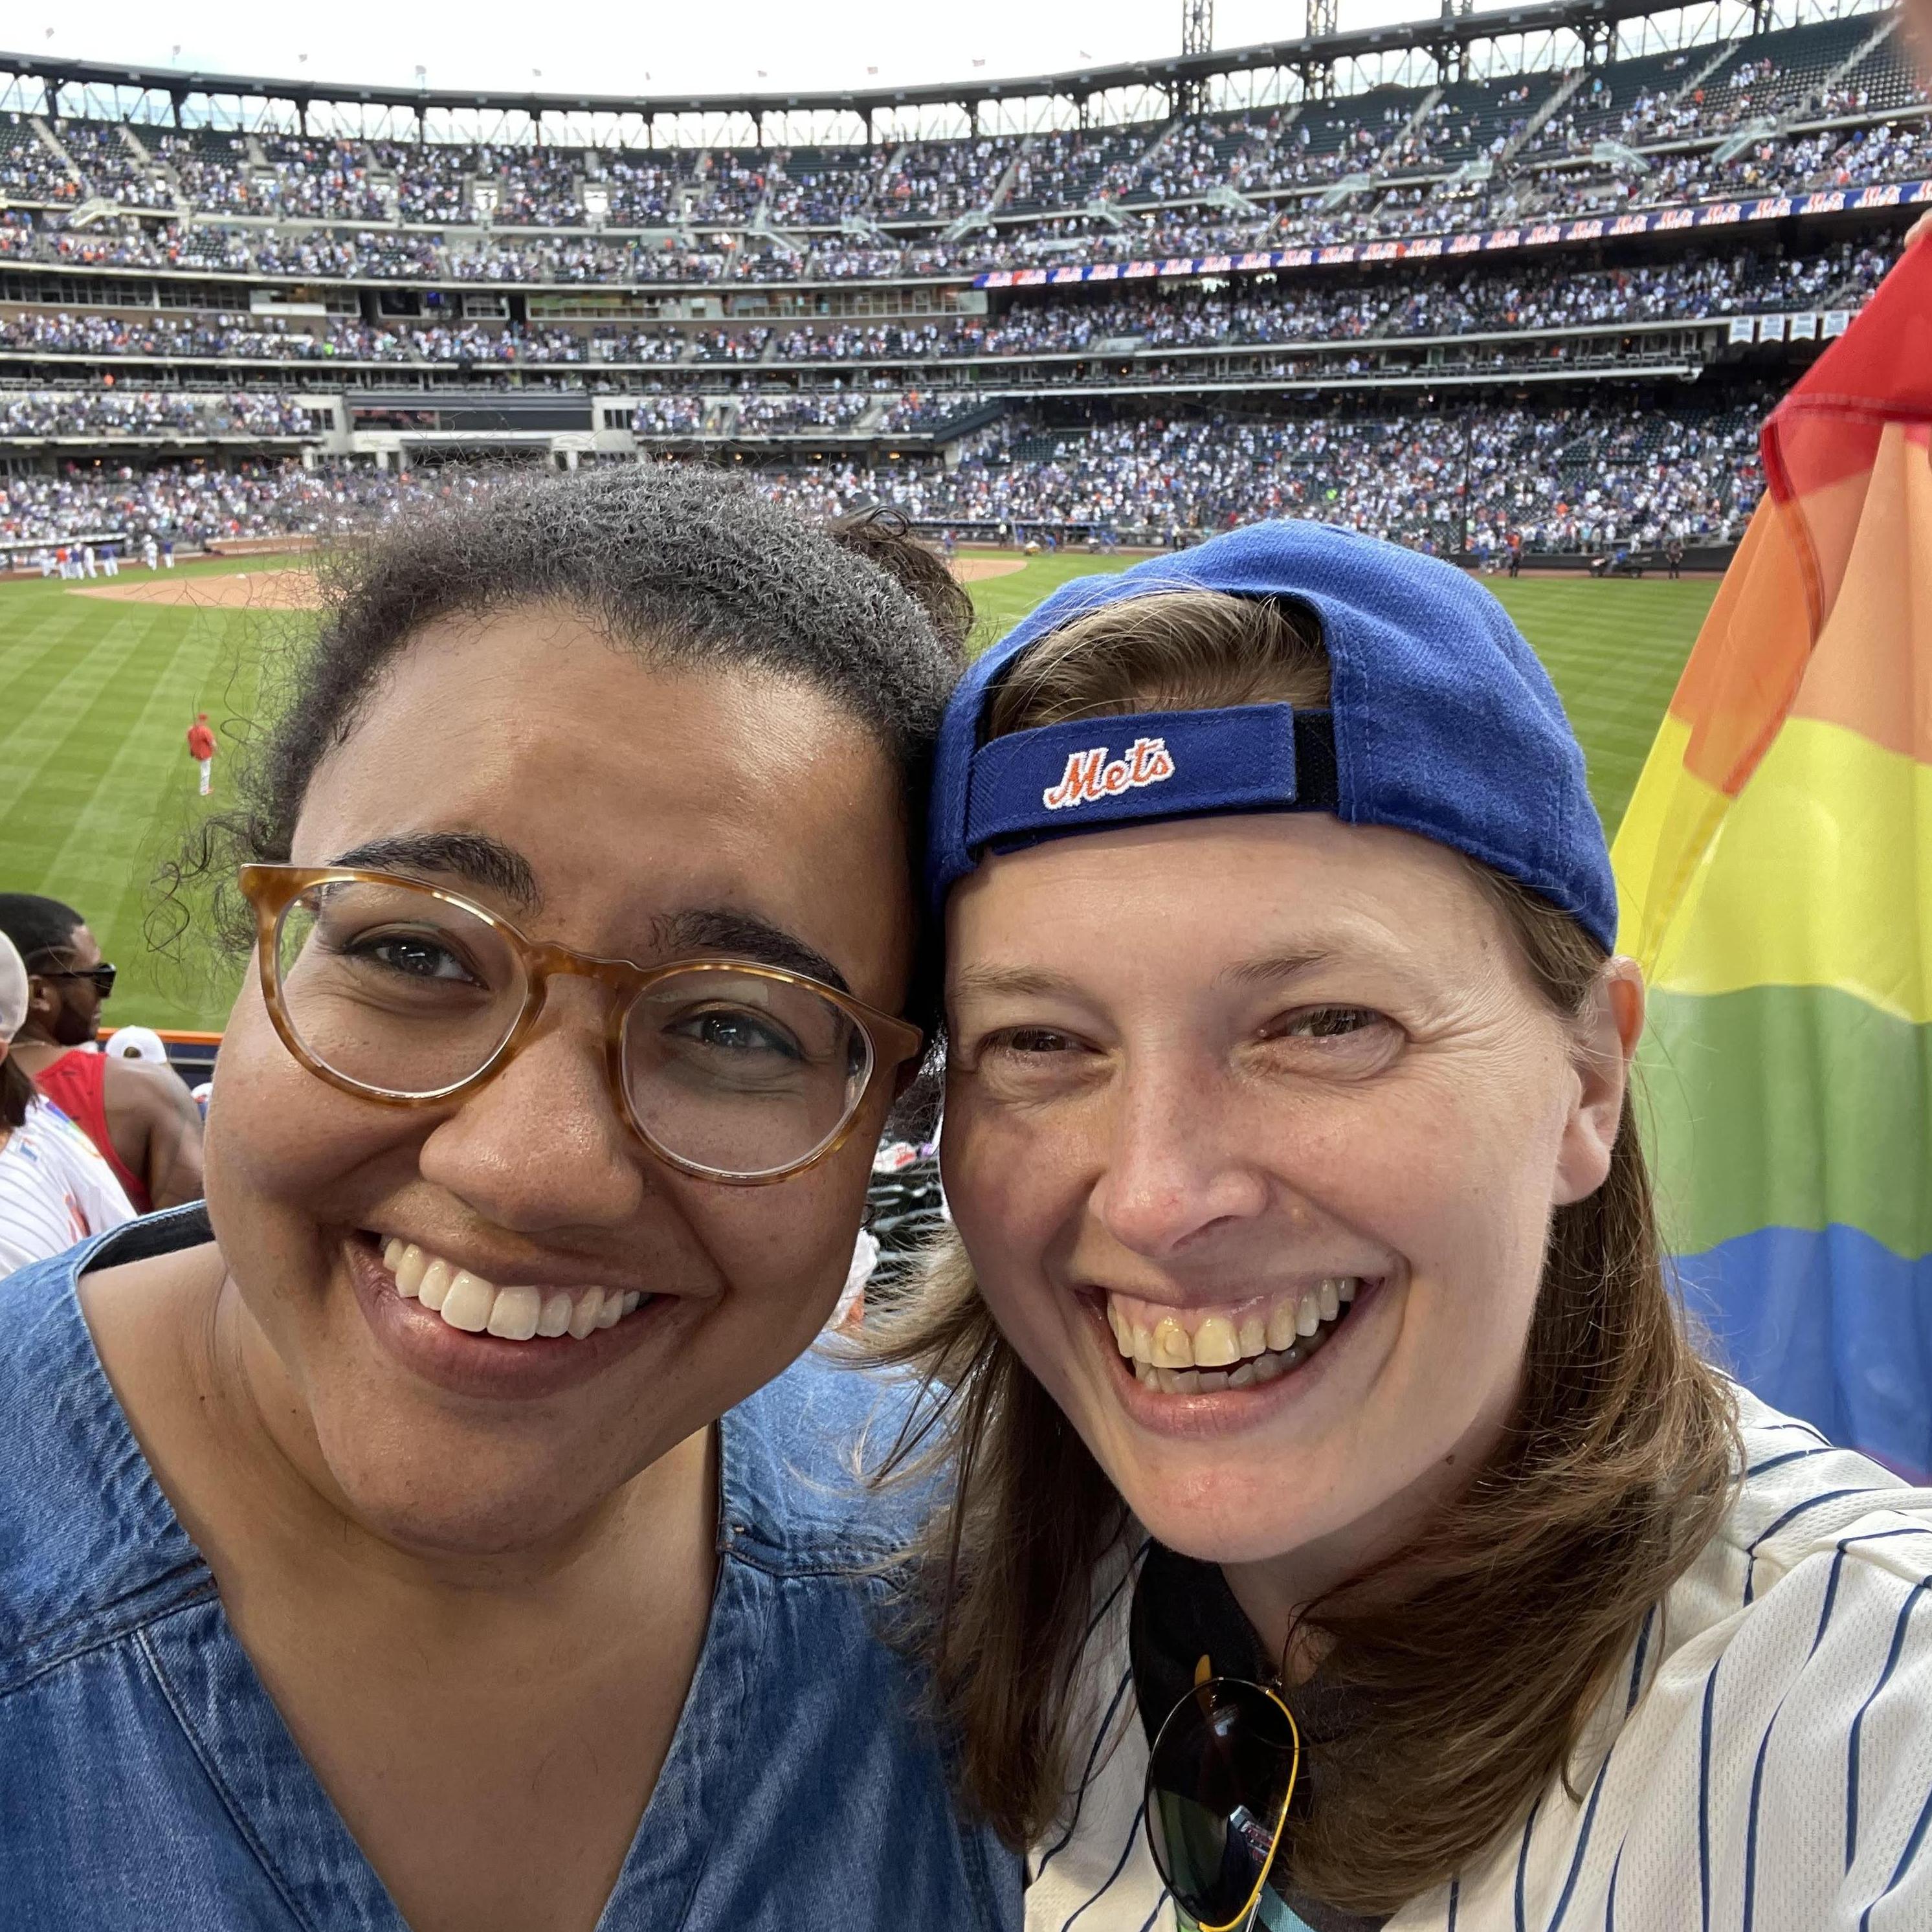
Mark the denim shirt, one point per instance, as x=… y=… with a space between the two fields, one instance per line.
x=146 y=1781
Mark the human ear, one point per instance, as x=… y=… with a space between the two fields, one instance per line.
x=43 y=1000
x=1605 y=1034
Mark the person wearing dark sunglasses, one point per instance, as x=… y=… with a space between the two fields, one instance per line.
x=143 y=1118
x=1347 y=1531
x=440 y=1528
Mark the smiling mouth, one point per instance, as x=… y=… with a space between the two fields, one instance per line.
x=1201 y=1351
x=515 y=1313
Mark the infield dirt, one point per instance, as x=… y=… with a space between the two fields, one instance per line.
x=242 y=589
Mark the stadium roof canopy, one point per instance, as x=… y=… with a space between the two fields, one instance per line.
x=1591 y=20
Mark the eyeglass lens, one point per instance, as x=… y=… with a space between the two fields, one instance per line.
x=399 y=991
x=1222 y=1770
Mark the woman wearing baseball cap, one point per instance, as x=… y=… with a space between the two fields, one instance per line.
x=1404 y=1564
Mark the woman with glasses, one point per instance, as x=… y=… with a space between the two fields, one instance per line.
x=1403 y=1563
x=434 y=1529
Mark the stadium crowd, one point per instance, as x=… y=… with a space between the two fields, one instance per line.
x=1582 y=478
x=124 y=411
x=1642 y=133
x=1567 y=479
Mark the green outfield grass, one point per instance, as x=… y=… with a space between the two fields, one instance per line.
x=97 y=788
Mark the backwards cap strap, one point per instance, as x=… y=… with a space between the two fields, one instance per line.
x=1150 y=765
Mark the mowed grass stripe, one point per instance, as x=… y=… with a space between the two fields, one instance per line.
x=119 y=822
x=61 y=744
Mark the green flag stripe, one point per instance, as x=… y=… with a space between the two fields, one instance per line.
x=1787 y=1106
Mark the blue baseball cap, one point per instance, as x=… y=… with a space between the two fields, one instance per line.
x=1441 y=722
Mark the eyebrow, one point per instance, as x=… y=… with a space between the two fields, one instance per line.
x=471 y=855
x=1273 y=966
x=1015 y=982
x=1032 y=982
x=743 y=935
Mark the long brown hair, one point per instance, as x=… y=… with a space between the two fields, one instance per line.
x=1516 y=1606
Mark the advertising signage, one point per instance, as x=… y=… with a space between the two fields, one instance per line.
x=1543 y=234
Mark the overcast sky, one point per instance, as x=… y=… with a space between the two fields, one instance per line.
x=649 y=46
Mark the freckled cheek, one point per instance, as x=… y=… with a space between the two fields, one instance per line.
x=1466 y=1206
x=1015 y=1189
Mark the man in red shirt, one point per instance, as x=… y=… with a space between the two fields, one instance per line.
x=142 y=1118
x=201 y=745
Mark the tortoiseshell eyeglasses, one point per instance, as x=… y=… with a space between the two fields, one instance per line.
x=404 y=993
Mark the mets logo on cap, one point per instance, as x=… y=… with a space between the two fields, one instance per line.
x=1091 y=774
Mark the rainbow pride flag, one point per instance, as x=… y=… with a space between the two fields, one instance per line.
x=1775 y=868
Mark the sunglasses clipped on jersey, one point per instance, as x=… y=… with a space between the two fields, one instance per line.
x=1220 y=1778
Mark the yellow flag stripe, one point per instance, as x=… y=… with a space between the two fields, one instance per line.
x=1818 y=874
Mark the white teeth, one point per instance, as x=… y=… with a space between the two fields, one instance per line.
x=435 y=1285
x=518 y=1313
x=513 y=1315
x=1330 y=1299
x=468 y=1303
x=1309 y=1319
x=408 y=1269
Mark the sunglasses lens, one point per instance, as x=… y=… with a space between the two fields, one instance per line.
x=1218 y=1781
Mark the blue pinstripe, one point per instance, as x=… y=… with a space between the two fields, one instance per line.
x=1791 y=1515
x=1857 y=1723
x=1704 y=1798
x=1086 y=1776
x=1791 y=1456
x=1636 y=1662
x=1582 y=1842
x=1522 y=1862
x=1905 y=1858
x=1119 y=1866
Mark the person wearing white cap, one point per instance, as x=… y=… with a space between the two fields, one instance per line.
x=55 y=1188
x=137 y=1043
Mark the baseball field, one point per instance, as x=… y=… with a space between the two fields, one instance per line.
x=97 y=789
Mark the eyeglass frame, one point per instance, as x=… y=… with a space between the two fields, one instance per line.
x=271 y=888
